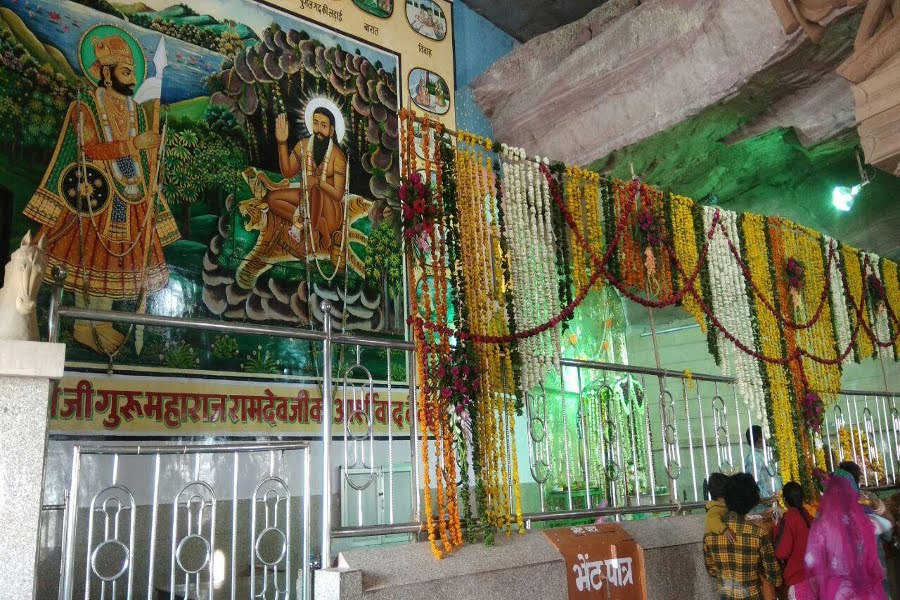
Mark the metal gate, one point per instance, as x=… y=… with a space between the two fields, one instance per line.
x=201 y=521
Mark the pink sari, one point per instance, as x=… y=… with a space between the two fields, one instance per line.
x=841 y=556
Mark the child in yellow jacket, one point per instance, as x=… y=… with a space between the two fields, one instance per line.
x=716 y=508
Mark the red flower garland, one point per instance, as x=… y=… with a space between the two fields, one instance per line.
x=600 y=269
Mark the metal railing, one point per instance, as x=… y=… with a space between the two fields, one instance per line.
x=864 y=427
x=611 y=440
x=119 y=550
x=359 y=405
x=608 y=439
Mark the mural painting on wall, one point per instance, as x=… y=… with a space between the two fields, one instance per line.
x=427 y=18
x=429 y=91
x=234 y=164
x=379 y=8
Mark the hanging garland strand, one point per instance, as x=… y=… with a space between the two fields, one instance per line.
x=790 y=304
x=600 y=270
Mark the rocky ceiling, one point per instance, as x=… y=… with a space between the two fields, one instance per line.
x=525 y=19
x=707 y=98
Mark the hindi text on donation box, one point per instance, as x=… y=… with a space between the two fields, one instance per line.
x=602 y=561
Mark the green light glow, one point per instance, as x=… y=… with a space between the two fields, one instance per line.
x=842 y=197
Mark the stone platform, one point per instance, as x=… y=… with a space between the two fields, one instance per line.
x=521 y=567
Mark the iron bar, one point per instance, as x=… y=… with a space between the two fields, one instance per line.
x=635 y=370
x=610 y=512
x=112 y=316
x=349 y=532
x=328 y=411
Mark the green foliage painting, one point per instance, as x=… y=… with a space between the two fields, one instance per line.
x=238 y=164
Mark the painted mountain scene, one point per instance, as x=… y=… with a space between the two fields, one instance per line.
x=223 y=160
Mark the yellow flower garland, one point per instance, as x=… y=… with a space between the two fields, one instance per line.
x=892 y=290
x=575 y=202
x=851 y=439
x=853 y=271
x=582 y=196
x=685 y=242
x=483 y=257
x=758 y=261
x=819 y=340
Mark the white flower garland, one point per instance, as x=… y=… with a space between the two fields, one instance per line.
x=878 y=316
x=531 y=244
x=731 y=305
x=518 y=264
x=839 y=313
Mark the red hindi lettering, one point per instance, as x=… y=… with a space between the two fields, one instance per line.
x=338 y=412
x=54 y=403
x=299 y=412
x=132 y=407
x=174 y=410
x=397 y=413
x=216 y=408
x=381 y=407
x=315 y=410
x=153 y=405
x=108 y=402
x=268 y=407
x=81 y=406
x=197 y=408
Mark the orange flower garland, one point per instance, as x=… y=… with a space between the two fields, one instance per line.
x=631 y=256
x=797 y=381
x=432 y=415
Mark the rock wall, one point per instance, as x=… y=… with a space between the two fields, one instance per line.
x=626 y=71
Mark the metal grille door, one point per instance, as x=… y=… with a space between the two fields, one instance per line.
x=191 y=522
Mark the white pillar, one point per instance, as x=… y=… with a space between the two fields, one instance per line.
x=27 y=370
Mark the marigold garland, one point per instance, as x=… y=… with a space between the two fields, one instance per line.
x=684 y=239
x=758 y=257
x=428 y=281
x=738 y=275
x=889 y=277
x=797 y=383
x=855 y=447
x=484 y=273
x=817 y=340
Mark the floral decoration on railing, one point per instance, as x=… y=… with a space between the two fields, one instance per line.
x=796 y=275
x=876 y=291
x=813 y=411
x=519 y=244
x=418 y=210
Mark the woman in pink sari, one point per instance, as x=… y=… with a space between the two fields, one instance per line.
x=841 y=555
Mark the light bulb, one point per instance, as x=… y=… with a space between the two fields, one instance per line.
x=842 y=197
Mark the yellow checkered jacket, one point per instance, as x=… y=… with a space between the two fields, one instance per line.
x=737 y=566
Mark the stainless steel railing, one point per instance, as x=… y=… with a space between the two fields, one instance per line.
x=650 y=455
x=589 y=460
x=354 y=409
x=118 y=548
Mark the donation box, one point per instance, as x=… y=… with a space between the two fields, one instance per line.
x=602 y=561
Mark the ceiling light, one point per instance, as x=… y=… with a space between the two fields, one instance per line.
x=842 y=196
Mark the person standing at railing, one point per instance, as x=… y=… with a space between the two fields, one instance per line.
x=841 y=555
x=878 y=514
x=791 y=536
x=757 y=464
x=738 y=565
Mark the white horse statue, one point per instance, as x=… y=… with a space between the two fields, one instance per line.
x=18 y=296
